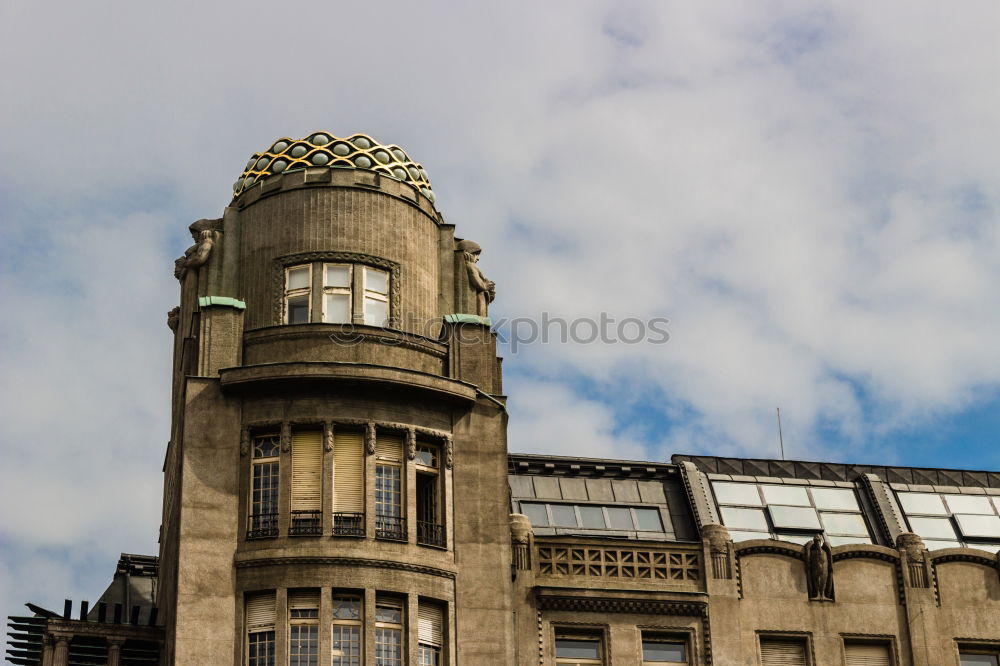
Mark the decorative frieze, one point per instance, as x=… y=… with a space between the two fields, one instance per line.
x=619 y=563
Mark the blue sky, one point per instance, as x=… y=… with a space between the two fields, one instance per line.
x=807 y=191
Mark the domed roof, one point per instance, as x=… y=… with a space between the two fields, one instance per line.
x=322 y=149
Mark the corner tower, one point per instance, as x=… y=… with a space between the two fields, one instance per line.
x=335 y=483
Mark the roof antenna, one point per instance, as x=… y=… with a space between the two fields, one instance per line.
x=781 y=439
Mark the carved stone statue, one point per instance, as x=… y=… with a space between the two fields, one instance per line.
x=204 y=234
x=486 y=290
x=819 y=568
x=520 y=542
x=174 y=318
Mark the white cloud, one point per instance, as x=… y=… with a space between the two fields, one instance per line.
x=807 y=191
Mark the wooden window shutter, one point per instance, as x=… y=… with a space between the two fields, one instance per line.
x=782 y=652
x=867 y=654
x=307 y=470
x=303 y=599
x=430 y=621
x=260 y=612
x=348 y=471
x=389 y=447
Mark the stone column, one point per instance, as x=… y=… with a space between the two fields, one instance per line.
x=115 y=651
x=60 y=655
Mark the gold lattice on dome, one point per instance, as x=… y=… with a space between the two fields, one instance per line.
x=322 y=149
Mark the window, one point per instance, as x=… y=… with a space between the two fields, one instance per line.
x=260 y=629
x=790 y=512
x=430 y=530
x=950 y=521
x=389 y=521
x=336 y=293
x=663 y=650
x=866 y=654
x=430 y=620
x=376 y=297
x=307 y=487
x=388 y=632
x=347 y=630
x=337 y=301
x=582 y=517
x=264 y=487
x=348 y=483
x=303 y=628
x=978 y=658
x=782 y=652
x=578 y=650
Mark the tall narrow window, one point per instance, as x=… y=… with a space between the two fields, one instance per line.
x=430 y=634
x=337 y=282
x=430 y=530
x=348 y=483
x=303 y=628
x=388 y=632
x=782 y=652
x=264 y=487
x=260 y=629
x=867 y=654
x=389 y=521
x=572 y=650
x=346 y=630
x=297 y=294
x=307 y=474
x=376 y=296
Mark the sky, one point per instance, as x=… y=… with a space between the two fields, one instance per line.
x=806 y=191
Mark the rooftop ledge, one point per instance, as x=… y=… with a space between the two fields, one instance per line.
x=346 y=373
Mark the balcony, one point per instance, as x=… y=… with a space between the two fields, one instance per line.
x=306 y=523
x=390 y=528
x=262 y=526
x=348 y=523
x=430 y=534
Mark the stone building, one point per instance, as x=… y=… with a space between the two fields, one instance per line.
x=338 y=488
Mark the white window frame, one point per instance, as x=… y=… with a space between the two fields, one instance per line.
x=296 y=293
x=329 y=290
x=370 y=294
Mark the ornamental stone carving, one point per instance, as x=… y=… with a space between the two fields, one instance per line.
x=411 y=443
x=486 y=289
x=819 y=568
x=204 y=233
x=912 y=546
x=370 y=438
x=717 y=537
x=520 y=542
x=174 y=318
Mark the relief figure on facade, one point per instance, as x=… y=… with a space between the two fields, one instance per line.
x=486 y=289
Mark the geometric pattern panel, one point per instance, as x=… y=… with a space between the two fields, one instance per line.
x=621 y=563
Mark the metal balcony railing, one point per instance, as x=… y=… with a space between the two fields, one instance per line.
x=262 y=526
x=390 y=528
x=430 y=534
x=348 y=523
x=306 y=523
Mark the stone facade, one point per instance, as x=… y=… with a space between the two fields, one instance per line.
x=337 y=482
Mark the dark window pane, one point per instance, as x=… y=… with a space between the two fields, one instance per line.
x=592 y=517
x=579 y=648
x=563 y=515
x=619 y=518
x=662 y=651
x=648 y=520
x=298 y=310
x=537 y=514
x=978 y=659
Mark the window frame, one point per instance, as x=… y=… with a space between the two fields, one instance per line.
x=329 y=290
x=298 y=293
x=800 y=637
x=991 y=544
x=357 y=623
x=258 y=528
x=580 y=528
x=309 y=621
x=398 y=627
x=579 y=634
x=653 y=635
x=318 y=287
x=797 y=535
x=373 y=295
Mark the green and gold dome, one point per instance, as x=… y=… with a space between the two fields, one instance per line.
x=322 y=149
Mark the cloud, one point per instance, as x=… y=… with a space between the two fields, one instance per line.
x=806 y=190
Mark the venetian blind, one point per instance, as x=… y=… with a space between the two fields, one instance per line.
x=260 y=612
x=862 y=654
x=348 y=471
x=389 y=447
x=303 y=599
x=778 y=652
x=307 y=469
x=429 y=624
